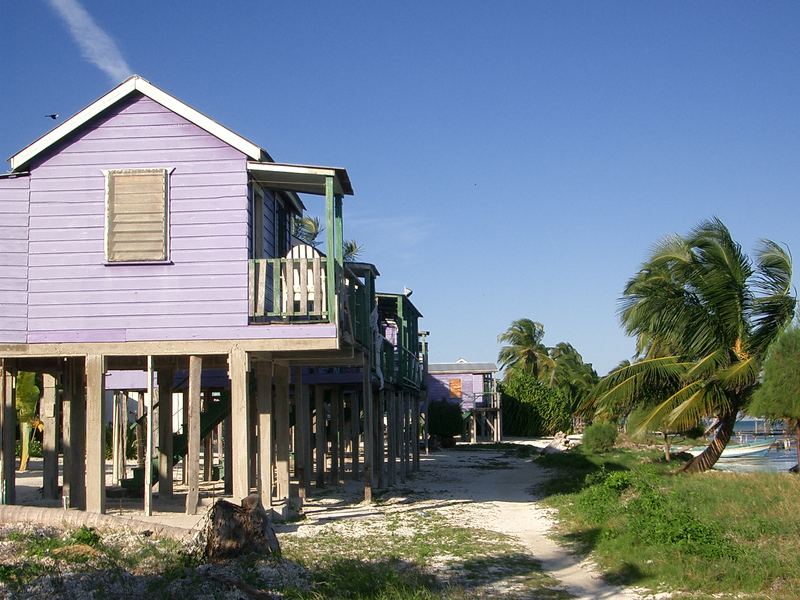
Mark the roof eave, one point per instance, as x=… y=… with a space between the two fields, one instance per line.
x=134 y=83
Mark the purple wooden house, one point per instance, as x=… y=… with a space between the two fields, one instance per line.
x=473 y=385
x=140 y=234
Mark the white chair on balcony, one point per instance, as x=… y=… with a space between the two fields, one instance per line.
x=303 y=282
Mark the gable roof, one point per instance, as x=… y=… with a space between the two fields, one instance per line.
x=134 y=84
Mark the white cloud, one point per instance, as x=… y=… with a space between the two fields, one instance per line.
x=96 y=45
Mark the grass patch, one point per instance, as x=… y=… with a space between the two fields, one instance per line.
x=84 y=555
x=715 y=533
x=412 y=555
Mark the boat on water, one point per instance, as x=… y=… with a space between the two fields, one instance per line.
x=737 y=450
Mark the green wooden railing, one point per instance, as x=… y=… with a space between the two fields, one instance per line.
x=289 y=289
x=358 y=310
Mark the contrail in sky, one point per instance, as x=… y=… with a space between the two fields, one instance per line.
x=96 y=45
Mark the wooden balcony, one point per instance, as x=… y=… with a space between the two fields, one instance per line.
x=289 y=289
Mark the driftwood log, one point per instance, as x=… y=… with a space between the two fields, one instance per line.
x=236 y=530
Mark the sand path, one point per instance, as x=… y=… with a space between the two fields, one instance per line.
x=502 y=499
x=484 y=489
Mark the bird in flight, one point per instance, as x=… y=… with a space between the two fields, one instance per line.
x=53 y=116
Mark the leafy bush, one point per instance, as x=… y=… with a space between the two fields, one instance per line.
x=600 y=437
x=446 y=420
x=530 y=408
x=85 y=535
x=34 y=449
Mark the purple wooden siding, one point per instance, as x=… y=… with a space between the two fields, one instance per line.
x=74 y=296
x=439 y=387
x=13 y=259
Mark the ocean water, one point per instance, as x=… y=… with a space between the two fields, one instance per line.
x=777 y=461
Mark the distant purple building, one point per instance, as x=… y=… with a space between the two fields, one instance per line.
x=475 y=387
x=461 y=381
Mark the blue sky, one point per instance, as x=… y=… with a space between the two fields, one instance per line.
x=510 y=159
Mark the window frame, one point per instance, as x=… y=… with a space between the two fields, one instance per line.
x=108 y=173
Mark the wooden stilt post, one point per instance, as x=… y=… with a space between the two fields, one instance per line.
x=123 y=421
x=74 y=491
x=401 y=433
x=240 y=413
x=334 y=435
x=320 y=422
x=227 y=455
x=253 y=443
x=341 y=432
x=369 y=434
x=49 y=413
x=415 y=432
x=8 y=428
x=95 y=436
x=193 y=435
x=148 y=446
x=282 y=430
x=381 y=437
x=140 y=433
x=391 y=416
x=263 y=371
x=165 y=477
x=303 y=436
x=355 y=433
x=407 y=438
x=426 y=427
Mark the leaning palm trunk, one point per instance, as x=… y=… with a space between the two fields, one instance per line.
x=26 y=433
x=709 y=457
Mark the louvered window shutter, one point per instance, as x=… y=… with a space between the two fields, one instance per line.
x=136 y=215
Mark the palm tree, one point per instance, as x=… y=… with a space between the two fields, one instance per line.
x=703 y=315
x=352 y=250
x=308 y=229
x=574 y=378
x=525 y=350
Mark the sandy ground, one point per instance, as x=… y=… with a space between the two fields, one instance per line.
x=485 y=489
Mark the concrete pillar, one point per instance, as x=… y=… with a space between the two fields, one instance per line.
x=282 y=430
x=193 y=435
x=355 y=433
x=263 y=372
x=320 y=422
x=165 y=460
x=95 y=435
x=240 y=427
x=8 y=431
x=49 y=413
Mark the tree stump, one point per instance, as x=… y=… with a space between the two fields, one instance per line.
x=236 y=530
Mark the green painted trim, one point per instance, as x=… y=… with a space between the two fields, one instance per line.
x=330 y=269
x=337 y=216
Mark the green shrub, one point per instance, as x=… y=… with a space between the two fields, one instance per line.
x=85 y=535
x=446 y=420
x=600 y=437
x=530 y=408
x=34 y=449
